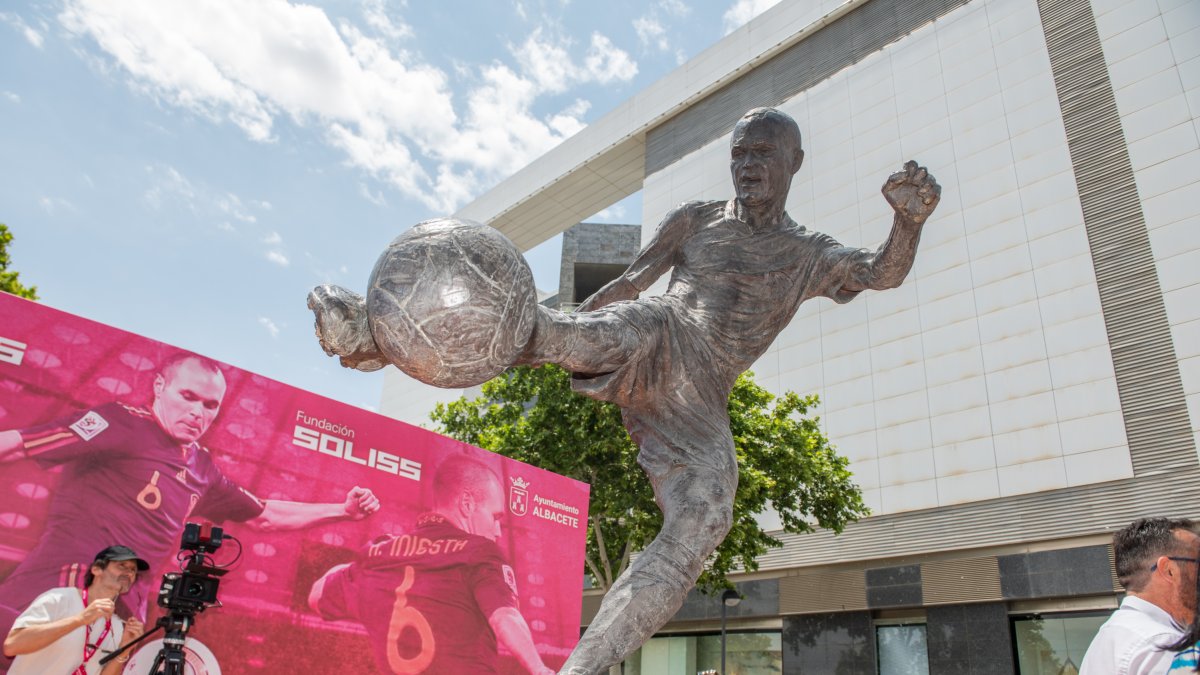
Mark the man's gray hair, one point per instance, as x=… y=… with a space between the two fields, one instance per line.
x=1136 y=547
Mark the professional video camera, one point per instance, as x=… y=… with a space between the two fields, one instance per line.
x=184 y=594
x=193 y=589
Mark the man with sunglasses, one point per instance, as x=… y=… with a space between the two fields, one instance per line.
x=1156 y=561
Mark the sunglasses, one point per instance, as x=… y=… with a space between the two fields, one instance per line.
x=1176 y=559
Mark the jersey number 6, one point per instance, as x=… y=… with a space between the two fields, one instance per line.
x=404 y=617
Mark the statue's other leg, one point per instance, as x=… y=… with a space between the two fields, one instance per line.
x=697 y=505
x=673 y=397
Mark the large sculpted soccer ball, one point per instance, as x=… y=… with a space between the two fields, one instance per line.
x=451 y=302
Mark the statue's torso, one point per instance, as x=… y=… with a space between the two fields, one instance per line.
x=743 y=286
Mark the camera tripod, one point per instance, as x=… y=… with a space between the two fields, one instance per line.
x=171 y=657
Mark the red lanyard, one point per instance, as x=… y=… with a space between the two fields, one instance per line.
x=82 y=670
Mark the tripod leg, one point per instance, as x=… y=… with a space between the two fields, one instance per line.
x=167 y=664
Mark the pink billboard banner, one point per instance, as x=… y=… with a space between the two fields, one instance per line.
x=362 y=544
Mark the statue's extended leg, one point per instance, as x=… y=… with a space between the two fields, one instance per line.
x=697 y=504
x=587 y=343
x=342 y=327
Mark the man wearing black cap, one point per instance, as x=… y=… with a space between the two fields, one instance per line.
x=67 y=631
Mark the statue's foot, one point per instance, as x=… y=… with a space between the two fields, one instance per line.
x=545 y=332
x=342 y=327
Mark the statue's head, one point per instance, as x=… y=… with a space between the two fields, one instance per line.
x=765 y=153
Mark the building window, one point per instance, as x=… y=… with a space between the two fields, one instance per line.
x=902 y=650
x=1054 y=644
x=755 y=653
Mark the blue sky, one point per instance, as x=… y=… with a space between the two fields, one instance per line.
x=188 y=171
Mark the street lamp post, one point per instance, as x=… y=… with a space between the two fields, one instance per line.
x=729 y=598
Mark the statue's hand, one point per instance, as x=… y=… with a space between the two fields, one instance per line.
x=590 y=304
x=913 y=193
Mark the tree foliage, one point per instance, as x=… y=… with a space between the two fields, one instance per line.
x=785 y=463
x=8 y=279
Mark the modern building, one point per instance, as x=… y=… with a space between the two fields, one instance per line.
x=1035 y=382
x=593 y=254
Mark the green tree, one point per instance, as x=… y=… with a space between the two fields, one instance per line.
x=8 y=279
x=784 y=460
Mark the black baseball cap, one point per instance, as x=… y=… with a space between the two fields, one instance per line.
x=117 y=553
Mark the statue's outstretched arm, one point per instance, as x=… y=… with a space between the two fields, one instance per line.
x=914 y=194
x=652 y=261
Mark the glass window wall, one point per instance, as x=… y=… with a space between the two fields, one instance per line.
x=758 y=653
x=902 y=650
x=1054 y=645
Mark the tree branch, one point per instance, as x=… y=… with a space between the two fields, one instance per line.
x=608 y=579
x=601 y=582
x=626 y=556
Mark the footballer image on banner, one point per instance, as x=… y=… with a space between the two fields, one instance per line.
x=367 y=544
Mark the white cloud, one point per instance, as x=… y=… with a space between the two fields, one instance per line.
x=32 y=36
x=11 y=96
x=375 y=198
x=651 y=33
x=226 y=211
x=35 y=38
x=169 y=187
x=548 y=63
x=393 y=116
x=675 y=7
x=567 y=122
x=275 y=254
x=53 y=205
x=650 y=29
x=606 y=62
x=270 y=325
x=743 y=10
x=375 y=12
x=169 y=184
x=612 y=214
x=232 y=205
x=550 y=66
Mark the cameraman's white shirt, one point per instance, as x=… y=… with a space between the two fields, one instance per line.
x=65 y=654
x=1132 y=641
